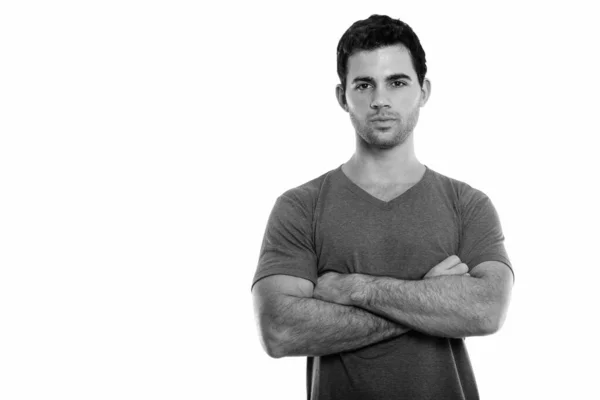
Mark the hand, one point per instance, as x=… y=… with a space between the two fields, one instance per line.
x=450 y=266
x=334 y=288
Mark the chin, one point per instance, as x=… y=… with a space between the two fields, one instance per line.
x=383 y=141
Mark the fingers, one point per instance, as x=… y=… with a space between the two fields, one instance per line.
x=448 y=267
x=443 y=266
x=449 y=262
x=459 y=269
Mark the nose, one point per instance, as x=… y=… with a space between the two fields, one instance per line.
x=380 y=99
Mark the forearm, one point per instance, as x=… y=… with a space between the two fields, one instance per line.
x=311 y=327
x=449 y=306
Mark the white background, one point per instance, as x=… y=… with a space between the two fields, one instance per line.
x=143 y=144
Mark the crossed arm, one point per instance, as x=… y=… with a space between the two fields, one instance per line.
x=293 y=323
x=349 y=311
x=450 y=306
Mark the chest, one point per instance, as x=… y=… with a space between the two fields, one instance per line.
x=403 y=241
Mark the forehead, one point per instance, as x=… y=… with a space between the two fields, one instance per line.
x=382 y=62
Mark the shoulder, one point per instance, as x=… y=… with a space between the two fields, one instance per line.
x=307 y=194
x=463 y=193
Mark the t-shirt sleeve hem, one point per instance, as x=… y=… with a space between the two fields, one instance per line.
x=284 y=271
x=492 y=257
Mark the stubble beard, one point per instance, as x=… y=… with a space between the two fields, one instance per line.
x=384 y=139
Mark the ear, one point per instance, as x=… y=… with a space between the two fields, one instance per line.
x=425 y=92
x=341 y=97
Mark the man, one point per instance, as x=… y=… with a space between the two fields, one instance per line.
x=378 y=269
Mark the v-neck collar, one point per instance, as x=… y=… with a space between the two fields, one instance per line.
x=362 y=193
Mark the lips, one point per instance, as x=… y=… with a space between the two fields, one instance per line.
x=382 y=118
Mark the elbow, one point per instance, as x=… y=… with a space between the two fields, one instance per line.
x=497 y=322
x=492 y=320
x=493 y=302
x=490 y=326
x=273 y=343
x=274 y=349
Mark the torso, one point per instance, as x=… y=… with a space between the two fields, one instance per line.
x=398 y=231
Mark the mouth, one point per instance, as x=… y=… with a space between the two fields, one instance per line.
x=382 y=120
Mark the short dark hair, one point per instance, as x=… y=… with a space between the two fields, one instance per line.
x=375 y=32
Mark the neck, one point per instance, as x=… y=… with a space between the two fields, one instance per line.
x=396 y=165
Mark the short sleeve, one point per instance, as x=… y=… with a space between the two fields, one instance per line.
x=287 y=246
x=481 y=234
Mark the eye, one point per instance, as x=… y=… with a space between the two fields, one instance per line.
x=398 y=83
x=362 y=86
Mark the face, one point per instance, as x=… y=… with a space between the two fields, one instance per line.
x=383 y=95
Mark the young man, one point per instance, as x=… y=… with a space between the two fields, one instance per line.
x=378 y=269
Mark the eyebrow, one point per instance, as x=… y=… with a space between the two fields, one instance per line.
x=393 y=77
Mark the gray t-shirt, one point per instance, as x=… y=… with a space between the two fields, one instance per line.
x=331 y=224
